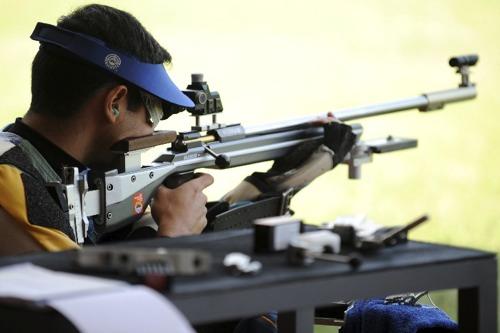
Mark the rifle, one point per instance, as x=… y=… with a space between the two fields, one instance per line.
x=119 y=197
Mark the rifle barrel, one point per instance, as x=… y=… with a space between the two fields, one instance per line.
x=424 y=102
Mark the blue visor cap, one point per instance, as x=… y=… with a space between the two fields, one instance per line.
x=152 y=78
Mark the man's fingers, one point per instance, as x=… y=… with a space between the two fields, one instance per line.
x=182 y=210
x=203 y=180
x=201 y=225
x=161 y=190
x=328 y=118
x=198 y=183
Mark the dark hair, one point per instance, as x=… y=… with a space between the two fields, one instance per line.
x=61 y=83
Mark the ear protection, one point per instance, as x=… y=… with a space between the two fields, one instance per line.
x=115 y=111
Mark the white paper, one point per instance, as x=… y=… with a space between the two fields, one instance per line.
x=132 y=310
x=33 y=283
x=93 y=304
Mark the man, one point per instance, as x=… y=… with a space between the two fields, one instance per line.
x=98 y=78
x=78 y=110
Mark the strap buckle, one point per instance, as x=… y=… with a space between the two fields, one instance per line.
x=286 y=198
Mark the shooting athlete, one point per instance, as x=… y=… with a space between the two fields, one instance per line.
x=107 y=85
x=98 y=78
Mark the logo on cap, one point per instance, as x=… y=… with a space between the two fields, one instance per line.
x=112 y=61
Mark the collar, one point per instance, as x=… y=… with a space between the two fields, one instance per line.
x=57 y=158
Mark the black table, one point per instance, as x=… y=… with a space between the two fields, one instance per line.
x=295 y=292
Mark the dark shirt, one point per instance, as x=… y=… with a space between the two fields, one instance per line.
x=57 y=158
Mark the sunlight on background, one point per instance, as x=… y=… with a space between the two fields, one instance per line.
x=272 y=60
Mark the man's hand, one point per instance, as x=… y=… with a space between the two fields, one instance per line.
x=181 y=211
x=300 y=166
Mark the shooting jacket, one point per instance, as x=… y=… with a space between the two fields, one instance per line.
x=24 y=192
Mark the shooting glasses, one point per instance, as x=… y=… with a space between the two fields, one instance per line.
x=151 y=78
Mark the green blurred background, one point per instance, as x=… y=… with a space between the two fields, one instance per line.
x=273 y=60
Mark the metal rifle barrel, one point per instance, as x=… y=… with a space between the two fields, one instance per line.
x=424 y=102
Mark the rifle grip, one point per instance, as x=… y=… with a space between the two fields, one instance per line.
x=177 y=179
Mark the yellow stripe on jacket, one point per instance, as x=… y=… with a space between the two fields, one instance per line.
x=13 y=201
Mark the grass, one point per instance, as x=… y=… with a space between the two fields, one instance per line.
x=280 y=59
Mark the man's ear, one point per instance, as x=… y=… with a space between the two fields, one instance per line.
x=115 y=102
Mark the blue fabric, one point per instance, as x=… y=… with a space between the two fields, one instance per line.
x=374 y=316
x=152 y=78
